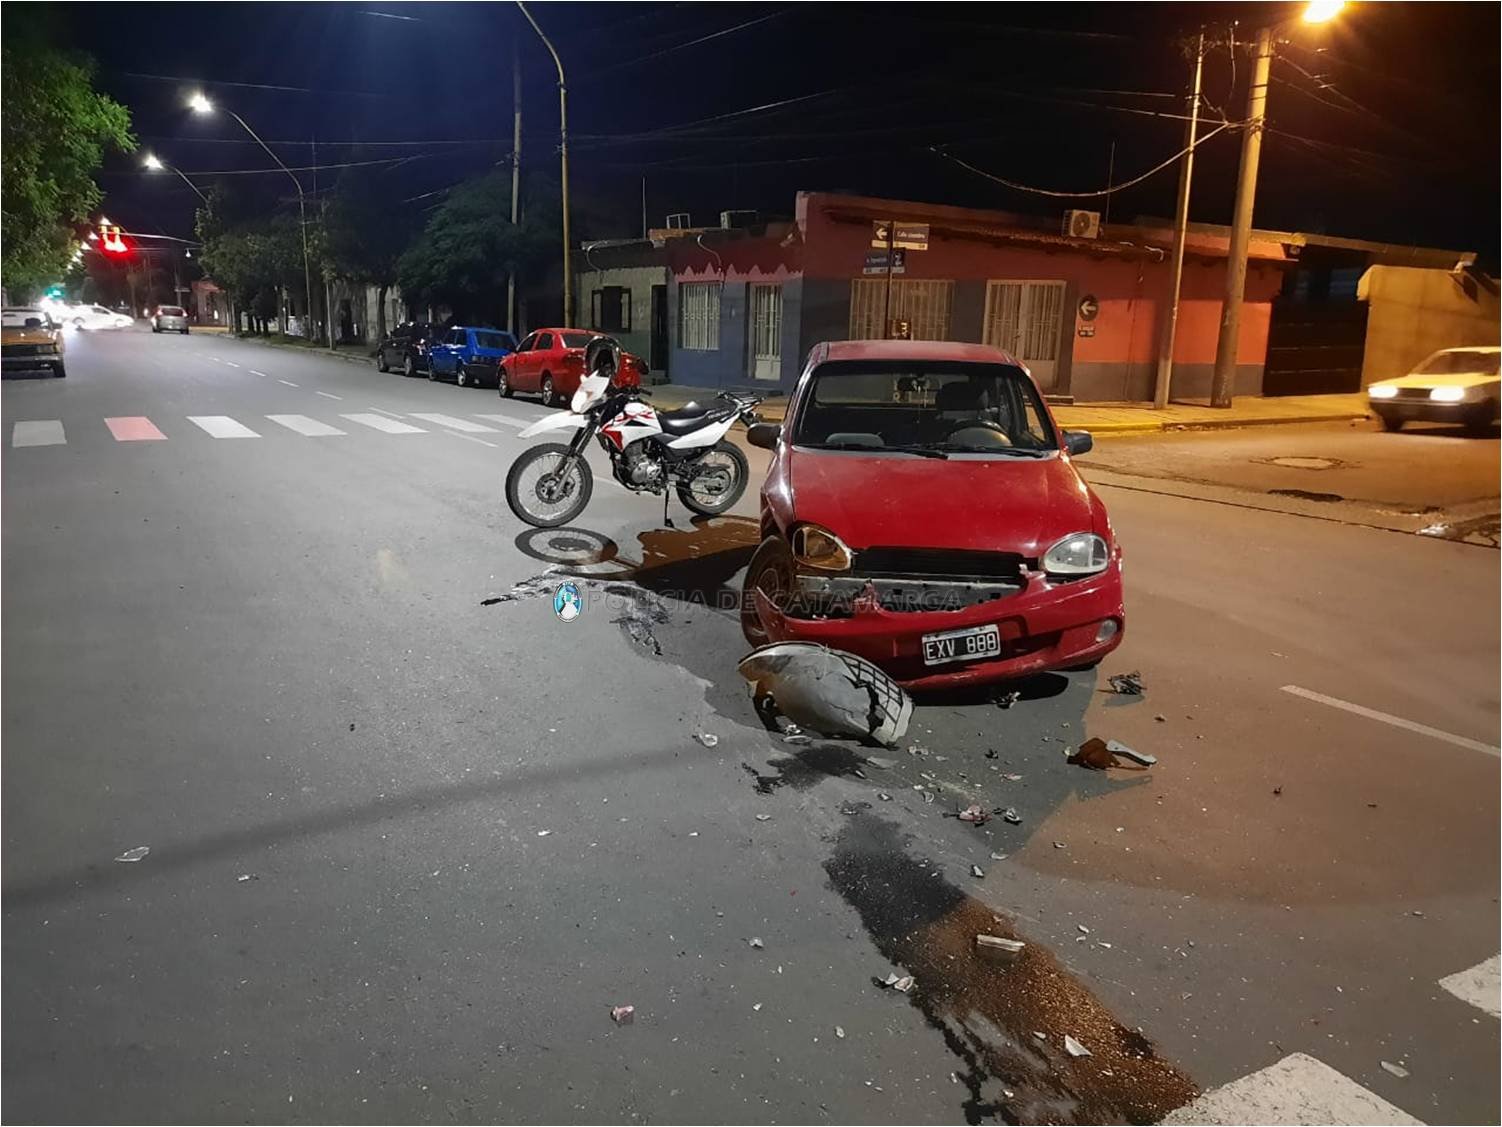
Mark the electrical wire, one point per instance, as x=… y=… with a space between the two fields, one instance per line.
x=1111 y=190
x=678 y=47
x=308 y=167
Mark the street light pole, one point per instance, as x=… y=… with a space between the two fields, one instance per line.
x=154 y=162
x=1222 y=386
x=568 y=279
x=516 y=174
x=1180 y=231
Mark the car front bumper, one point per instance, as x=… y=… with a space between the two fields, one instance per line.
x=34 y=362
x=1043 y=625
x=1430 y=410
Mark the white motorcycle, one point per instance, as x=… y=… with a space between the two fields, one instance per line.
x=551 y=483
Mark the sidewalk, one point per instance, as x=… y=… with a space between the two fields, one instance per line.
x=1122 y=418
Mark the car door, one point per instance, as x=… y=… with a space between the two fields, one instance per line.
x=447 y=357
x=540 y=359
x=516 y=363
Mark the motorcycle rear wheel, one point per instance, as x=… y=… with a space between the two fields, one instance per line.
x=549 y=486
x=708 y=493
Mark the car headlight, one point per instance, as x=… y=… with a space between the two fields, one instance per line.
x=1447 y=394
x=1382 y=391
x=1079 y=553
x=819 y=548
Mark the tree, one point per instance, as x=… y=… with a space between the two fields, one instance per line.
x=365 y=231
x=53 y=135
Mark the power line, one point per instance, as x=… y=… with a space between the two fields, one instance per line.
x=252 y=85
x=681 y=46
x=325 y=144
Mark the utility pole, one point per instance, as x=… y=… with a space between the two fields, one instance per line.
x=568 y=271
x=1223 y=384
x=886 y=301
x=516 y=174
x=1180 y=228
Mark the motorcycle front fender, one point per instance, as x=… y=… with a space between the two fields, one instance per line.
x=561 y=420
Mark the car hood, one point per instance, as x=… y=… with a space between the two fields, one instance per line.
x=1020 y=505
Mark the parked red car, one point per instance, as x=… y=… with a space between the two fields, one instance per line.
x=550 y=362
x=922 y=510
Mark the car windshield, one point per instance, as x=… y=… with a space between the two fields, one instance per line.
x=1454 y=362
x=23 y=319
x=494 y=340
x=171 y=311
x=924 y=407
x=576 y=340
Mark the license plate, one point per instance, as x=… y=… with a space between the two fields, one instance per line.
x=961 y=645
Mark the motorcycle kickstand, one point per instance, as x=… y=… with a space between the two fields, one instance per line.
x=667 y=520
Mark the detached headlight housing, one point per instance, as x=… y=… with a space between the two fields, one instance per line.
x=1447 y=394
x=816 y=547
x=1079 y=553
x=1382 y=391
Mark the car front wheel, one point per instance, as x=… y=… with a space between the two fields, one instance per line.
x=771 y=570
x=1391 y=422
x=502 y=384
x=381 y=365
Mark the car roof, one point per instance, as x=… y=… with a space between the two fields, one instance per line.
x=1472 y=348
x=917 y=350
x=480 y=328
x=591 y=332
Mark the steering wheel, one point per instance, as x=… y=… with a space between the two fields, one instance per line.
x=987 y=427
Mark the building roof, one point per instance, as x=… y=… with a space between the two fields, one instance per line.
x=953 y=351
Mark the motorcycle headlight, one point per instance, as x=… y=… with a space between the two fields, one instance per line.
x=1079 y=553
x=817 y=547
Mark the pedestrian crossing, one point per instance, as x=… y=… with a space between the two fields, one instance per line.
x=28 y=433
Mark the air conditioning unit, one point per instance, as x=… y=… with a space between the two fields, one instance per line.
x=1082 y=224
x=678 y=221
x=737 y=219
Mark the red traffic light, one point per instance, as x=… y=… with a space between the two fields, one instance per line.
x=111 y=243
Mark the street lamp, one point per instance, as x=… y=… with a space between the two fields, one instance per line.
x=198 y=103
x=153 y=163
x=1224 y=378
x=568 y=278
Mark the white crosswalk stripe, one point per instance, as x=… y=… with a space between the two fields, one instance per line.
x=382 y=423
x=38 y=432
x=304 y=425
x=1479 y=986
x=509 y=420
x=453 y=423
x=1298 y=1089
x=222 y=426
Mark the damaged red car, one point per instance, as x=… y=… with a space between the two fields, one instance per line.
x=922 y=510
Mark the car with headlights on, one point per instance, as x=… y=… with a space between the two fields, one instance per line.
x=31 y=341
x=922 y=510
x=1453 y=385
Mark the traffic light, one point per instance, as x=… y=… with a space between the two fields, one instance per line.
x=111 y=243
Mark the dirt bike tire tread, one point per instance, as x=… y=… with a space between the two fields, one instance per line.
x=513 y=495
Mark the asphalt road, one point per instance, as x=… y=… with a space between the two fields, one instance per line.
x=407 y=850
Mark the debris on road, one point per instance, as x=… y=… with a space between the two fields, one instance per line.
x=708 y=739
x=135 y=854
x=1161 y=719
x=1395 y=1069
x=1060 y=845
x=1082 y=929
x=755 y=941
x=992 y=753
x=880 y=763
x=998 y=856
x=764 y=817
x=1126 y=684
x=543 y=833
x=1097 y=754
x=884 y=796
x=531 y=588
x=243 y=877
x=1277 y=791
x=839 y=1031
x=975 y=815
x=623 y=1015
x=1006 y=700
x=977 y=872
x=829 y=691
x=928 y=797
x=999 y=944
x=904 y=985
x=1121 y=749
x=1011 y=817
x=1074 y=1048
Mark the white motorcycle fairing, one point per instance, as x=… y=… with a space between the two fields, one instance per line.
x=560 y=420
x=591 y=390
x=705 y=435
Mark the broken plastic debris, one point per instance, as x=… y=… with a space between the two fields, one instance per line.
x=977 y=872
x=756 y=942
x=243 y=877
x=1101 y=755
x=928 y=796
x=884 y=796
x=708 y=739
x=1011 y=817
x=880 y=763
x=839 y=1031
x=543 y=833
x=1040 y=1036
x=1121 y=749
x=999 y=943
x=1060 y=845
x=1006 y=700
x=757 y=1007
x=134 y=854
x=764 y=817
x=998 y=856
x=903 y=985
x=623 y=1015
x=974 y=815
x=829 y=691
x=1074 y=1048
x=1395 y=1069
x=1126 y=684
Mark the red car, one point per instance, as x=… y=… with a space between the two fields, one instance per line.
x=922 y=510
x=550 y=362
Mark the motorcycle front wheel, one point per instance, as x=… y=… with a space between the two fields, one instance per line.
x=549 y=486
x=717 y=480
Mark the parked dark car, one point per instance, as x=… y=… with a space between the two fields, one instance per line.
x=469 y=355
x=406 y=347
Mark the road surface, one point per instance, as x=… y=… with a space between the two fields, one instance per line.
x=407 y=850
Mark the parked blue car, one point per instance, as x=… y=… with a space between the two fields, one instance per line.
x=469 y=355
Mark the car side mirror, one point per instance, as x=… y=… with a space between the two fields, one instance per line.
x=1078 y=442
x=764 y=435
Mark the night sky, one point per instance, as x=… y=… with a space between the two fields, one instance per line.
x=1383 y=126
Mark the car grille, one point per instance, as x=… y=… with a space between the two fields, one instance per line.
x=1413 y=393
x=938 y=562
x=21 y=350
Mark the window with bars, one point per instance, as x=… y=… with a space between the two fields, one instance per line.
x=926 y=306
x=699 y=316
x=1025 y=318
x=611 y=309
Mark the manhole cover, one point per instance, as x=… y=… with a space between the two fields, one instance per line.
x=1299 y=462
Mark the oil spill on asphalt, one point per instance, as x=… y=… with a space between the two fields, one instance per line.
x=987 y=1012
x=805 y=768
x=1307 y=495
x=643 y=611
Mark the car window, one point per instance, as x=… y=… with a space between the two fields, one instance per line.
x=99 y=309
x=944 y=405
x=458 y=336
x=171 y=311
x=21 y=318
x=1453 y=362
x=577 y=340
x=497 y=341
x=544 y=342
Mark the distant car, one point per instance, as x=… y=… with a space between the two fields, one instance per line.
x=95 y=317
x=470 y=356
x=550 y=362
x=406 y=347
x=30 y=340
x=1454 y=385
x=922 y=509
x=169 y=319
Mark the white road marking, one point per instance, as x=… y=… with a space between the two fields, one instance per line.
x=304 y=425
x=453 y=423
x=380 y=422
x=222 y=426
x=1481 y=986
x=253 y=372
x=507 y=419
x=38 y=432
x=1298 y=1089
x=380 y=411
x=470 y=438
x=1395 y=721
x=289 y=383
x=328 y=395
x=134 y=428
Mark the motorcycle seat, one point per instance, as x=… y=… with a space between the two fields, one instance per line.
x=686 y=418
